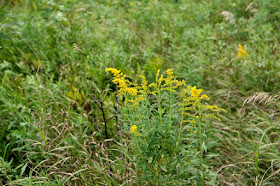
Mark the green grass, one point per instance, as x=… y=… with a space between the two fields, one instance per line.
x=51 y=48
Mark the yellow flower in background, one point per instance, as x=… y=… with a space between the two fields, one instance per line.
x=241 y=52
x=133 y=129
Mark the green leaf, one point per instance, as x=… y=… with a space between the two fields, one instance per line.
x=203 y=147
x=163 y=167
x=22 y=170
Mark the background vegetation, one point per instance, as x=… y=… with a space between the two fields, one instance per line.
x=58 y=111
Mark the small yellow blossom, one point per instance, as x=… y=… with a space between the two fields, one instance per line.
x=241 y=52
x=133 y=129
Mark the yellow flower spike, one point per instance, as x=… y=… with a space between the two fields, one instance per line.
x=160 y=79
x=170 y=80
x=212 y=116
x=114 y=71
x=214 y=108
x=157 y=75
x=195 y=92
x=152 y=85
x=241 y=52
x=144 y=80
x=204 y=96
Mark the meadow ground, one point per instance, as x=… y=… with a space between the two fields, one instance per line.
x=60 y=119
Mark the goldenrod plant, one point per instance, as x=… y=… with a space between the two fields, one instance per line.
x=167 y=122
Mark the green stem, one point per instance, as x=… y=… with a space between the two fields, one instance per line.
x=147 y=110
x=138 y=145
x=159 y=103
x=158 y=180
x=130 y=113
x=170 y=107
x=179 y=137
x=140 y=117
x=180 y=130
x=200 y=142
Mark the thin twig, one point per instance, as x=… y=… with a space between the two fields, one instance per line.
x=100 y=105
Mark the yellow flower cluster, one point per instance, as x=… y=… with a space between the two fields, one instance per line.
x=194 y=96
x=132 y=91
x=195 y=92
x=191 y=102
x=191 y=97
x=241 y=52
x=123 y=84
x=116 y=73
x=171 y=82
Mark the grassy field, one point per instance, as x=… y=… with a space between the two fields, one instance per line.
x=62 y=123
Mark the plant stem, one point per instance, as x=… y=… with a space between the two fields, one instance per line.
x=147 y=110
x=170 y=106
x=140 y=117
x=159 y=105
x=200 y=142
x=158 y=174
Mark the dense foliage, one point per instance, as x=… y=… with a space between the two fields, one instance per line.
x=61 y=121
